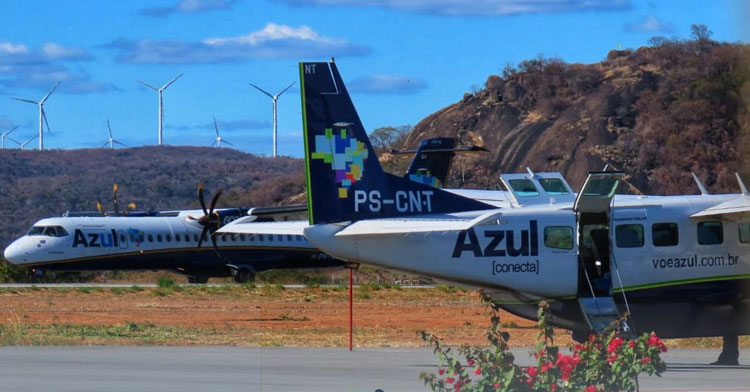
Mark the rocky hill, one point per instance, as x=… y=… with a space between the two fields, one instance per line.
x=658 y=113
x=38 y=184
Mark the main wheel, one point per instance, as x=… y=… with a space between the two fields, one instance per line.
x=244 y=275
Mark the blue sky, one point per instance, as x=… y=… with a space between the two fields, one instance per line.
x=401 y=59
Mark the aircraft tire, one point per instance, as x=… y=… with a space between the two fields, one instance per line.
x=244 y=275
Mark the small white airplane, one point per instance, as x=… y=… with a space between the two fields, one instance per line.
x=678 y=265
x=171 y=240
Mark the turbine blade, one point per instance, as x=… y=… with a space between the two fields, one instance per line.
x=263 y=91
x=26 y=100
x=287 y=88
x=171 y=81
x=216 y=127
x=213 y=144
x=224 y=141
x=115 y=141
x=105 y=144
x=110 y=129
x=14 y=141
x=44 y=116
x=49 y=93
x=147 y=85
x=11 y=130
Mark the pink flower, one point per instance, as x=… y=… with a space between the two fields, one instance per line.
x=567 y=364
x=532 y=371
x=645 y=360
x=631 y=344
x=470 y=362
x=612 y=358
x=496 y=385
x=553 y=387
x=579 y=347
x=478 y=371
x=546 y=367
x=441 y=371
x=654 y=341
x=590 y=388
x=449 y=380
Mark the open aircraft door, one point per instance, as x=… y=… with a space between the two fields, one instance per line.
x=592 y=208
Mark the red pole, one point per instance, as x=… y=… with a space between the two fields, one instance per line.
x=351 y=307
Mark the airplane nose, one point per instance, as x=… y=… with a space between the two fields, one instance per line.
x=14 y=253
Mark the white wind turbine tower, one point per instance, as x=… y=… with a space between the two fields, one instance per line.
x=274 y=98
x=23 y=145
x=219 y=139
x=6 y=133
x=42 y=115
x=111 y=141
x=161 y=101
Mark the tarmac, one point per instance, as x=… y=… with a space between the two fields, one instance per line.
x=184 y=369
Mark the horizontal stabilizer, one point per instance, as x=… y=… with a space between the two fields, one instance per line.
x=423 y=224
x=736 y=207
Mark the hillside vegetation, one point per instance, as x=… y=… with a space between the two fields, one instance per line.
x=39 y=184
x=658 y=113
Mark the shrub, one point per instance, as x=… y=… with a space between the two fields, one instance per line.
x=605 y=362
x=165 y=282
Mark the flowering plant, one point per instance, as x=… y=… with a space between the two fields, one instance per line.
x=610 y=361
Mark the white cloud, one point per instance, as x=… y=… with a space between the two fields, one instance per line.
x=386 y=84
x=273 y=41
x=473 y=7
x=650 y=24
x=188 y=7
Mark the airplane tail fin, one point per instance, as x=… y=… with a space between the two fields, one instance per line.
x=432 y=160
x=345 y=181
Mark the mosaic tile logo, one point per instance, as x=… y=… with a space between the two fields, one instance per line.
x=346 y=156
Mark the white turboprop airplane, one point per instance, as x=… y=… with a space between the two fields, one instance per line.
x=678 y=265
x=168 y=240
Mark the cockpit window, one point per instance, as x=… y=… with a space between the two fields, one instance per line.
x=524 y=187
x=554 y=186
x=50 y=231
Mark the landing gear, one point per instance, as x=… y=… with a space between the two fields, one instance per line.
x=201 y=279
x=730 y=352
x=243 y=275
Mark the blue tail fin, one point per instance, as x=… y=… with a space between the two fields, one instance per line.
x=432 y=160
x=345 y=181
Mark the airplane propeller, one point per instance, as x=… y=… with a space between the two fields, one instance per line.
x=211 y=221
x=115 y=204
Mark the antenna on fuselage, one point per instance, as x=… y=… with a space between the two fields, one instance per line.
x=743 y=188
x=531 y=172
x=700 y=184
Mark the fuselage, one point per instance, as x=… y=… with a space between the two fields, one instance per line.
x=155 y=243
x=660 y=258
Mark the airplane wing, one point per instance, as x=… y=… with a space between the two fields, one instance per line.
x=739 y=207
x=423 y=224
x=282 y=213
x=249 y=225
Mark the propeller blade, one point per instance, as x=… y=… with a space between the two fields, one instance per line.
x=99 y=207
x=50 y=93
x=203 y=235
x=216 y=247
x=201 y=200
x=214 y=200
x=263 y=91
x=287 y=88
x=131 y=206
x=26 y=100
x=114 y=200
x=147 y=85
x=44 y=116
x=171 y=81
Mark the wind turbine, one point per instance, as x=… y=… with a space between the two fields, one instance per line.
x=23 y=145
x=161 y=101
x=274 y=98
x=42 y=115
x=219 y=139
x=6 y=133
x=111 y=141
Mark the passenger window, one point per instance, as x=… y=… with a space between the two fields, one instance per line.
x=169 y=238
x=665 y=234
x=744 y=229
x=629 y=236
x=288 y=237
x=195 y=237
x=122 y=238
x=150 y=238
x=242 y=237
x=280 y=237
x=524 y=187
x=554 y=186
x=559 y=237
x=158 y=238
x=270 y=237
x=710 y=233
x=260 y=237
x=223 y=238
x=177 y=237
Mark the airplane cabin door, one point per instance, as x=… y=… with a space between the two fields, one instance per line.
x=592 y=208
